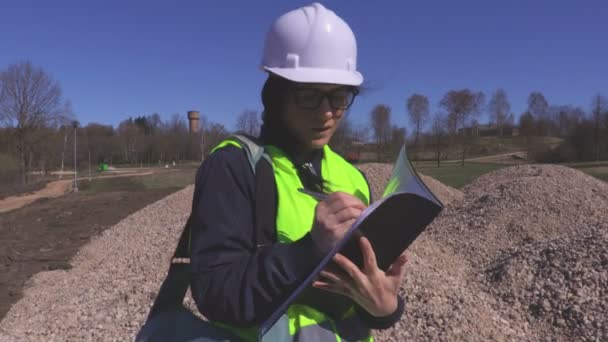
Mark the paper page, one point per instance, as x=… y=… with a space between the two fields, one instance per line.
x=404 y=179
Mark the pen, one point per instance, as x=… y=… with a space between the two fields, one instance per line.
x=318 y=195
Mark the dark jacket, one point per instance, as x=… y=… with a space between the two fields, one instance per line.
x=233 y=281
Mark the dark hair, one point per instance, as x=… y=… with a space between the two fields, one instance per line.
x=275 y=131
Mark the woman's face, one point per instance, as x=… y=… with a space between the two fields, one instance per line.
x=311 y=117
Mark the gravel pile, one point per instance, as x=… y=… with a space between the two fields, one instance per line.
x=559 y=286
x=522 y=204
x=378 y=175
x=532 y=241
x=114 y=279
x=522 y=255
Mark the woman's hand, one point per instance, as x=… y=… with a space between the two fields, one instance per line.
x=374 y=290
x=333 y=217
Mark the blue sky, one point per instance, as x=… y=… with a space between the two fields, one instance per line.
x=115 y=59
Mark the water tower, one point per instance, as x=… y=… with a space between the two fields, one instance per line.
x=193 y=117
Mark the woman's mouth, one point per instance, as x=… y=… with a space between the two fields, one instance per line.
x=321 y=129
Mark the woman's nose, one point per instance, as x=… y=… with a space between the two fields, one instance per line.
x=325 y=108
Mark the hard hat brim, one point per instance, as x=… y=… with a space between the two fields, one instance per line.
x=315 y=75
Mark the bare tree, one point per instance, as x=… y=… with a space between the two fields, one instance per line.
x=537 y=104
x=214 y=134
x=343 y=138
x=130 y=135
x=599 y=106
x=29 y=100
x=538 y=107
x=461 y=106
x=418 y=110
x=398 y=136
x=438 y=135
x=203 y=124
x=178 y=136
x=381 y=124
x=499 y=108
x=98 y=138
x=248 y=122
x=526 y=129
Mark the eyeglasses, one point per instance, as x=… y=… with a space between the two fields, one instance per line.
x=311 y=98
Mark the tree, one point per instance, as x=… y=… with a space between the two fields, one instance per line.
x=343 y=138
x=381 y=125
x=29 y=100
x=538 y=107
x=526 y=129
x=461 y=106
x=537 y=104
x=564 y=118
x=131 y=136
x=582 y=140
x=248 y=122
x=438 y=134
x=599 y=106
x=398 y=136
x=177 y=132
x=418 y=110
x=499 y=108
x=213 y=135
x=98 y=139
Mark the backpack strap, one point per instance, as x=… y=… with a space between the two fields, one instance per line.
x=253 y=147
x=265 y=189
x=174 y=287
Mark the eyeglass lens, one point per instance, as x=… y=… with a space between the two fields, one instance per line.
x=309 y=98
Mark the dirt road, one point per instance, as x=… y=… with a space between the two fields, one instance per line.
x=45 y=234
x=52 y=190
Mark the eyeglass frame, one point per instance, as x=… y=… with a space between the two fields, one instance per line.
x=325 y=95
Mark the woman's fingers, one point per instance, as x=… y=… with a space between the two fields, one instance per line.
x=348 y=213
x=397 y=268
x=350 y=268
x=370 y=265
x=339 y=200
x=334 y=288
x=331 y=276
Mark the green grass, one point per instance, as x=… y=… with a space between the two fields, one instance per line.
x=457 y=176
x=483 y=146
x=453 y=174
x=597 y=169
x=600 y=176
x=170 y=179
x=582 y=165
x=600 y=172
x=174 y=179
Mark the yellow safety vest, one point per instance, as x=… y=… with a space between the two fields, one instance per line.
x=295 y=215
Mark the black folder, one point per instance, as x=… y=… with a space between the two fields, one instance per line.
x=391 y=224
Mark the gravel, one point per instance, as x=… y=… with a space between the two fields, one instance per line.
x=520 y=254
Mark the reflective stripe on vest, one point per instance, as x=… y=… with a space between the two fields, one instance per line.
x=295 y=214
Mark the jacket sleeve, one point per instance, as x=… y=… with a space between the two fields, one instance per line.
x=381 y=323
x=232 y=281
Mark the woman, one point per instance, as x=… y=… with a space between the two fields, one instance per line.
x=310 y=57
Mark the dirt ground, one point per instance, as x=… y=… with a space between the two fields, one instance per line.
x=14 y=187
x=53 y=189
x=45 y=234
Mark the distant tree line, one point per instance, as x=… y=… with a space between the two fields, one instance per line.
x=38 y=128
x=583 y=135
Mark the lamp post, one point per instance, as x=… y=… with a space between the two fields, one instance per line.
x=75 y=188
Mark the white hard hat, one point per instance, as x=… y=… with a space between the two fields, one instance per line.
x=312 y=45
